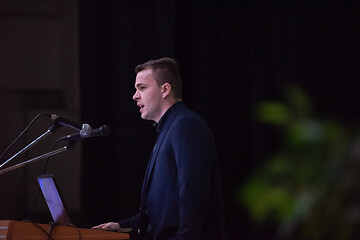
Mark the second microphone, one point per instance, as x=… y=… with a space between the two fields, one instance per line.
x=88 y=132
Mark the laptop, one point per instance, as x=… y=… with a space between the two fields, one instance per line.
x=53 y=199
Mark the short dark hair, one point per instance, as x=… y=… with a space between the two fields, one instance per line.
x=165 y=70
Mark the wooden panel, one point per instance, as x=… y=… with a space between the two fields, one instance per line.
x=33 y=231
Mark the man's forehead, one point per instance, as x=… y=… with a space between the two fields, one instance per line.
x=144 y=77
x=144 y=72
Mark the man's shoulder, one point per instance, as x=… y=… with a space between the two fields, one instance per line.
x=184 y=113
x=188 y=118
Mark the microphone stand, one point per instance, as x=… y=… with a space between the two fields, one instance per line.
x=70 y=145
x=34 y=160
x=27 y=147
x=42 y=136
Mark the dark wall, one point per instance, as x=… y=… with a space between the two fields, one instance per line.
x=232 y=55
x=38 y=73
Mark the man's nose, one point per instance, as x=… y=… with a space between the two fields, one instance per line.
x=136 y=96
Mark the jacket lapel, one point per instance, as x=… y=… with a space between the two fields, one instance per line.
x=160 y=139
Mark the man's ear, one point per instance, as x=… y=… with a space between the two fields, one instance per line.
x=166 y=89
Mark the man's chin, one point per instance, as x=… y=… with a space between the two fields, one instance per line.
x=143 y=116
x=146 y=118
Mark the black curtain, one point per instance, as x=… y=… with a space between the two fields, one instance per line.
x=232 y=55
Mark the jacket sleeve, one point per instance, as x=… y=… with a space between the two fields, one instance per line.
x=133 y=222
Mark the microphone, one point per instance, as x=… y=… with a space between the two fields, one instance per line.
x=87 y=132
x=64 y=122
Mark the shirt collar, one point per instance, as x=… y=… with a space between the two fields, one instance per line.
x=158 y=126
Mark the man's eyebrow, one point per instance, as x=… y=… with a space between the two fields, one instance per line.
x=139 y=84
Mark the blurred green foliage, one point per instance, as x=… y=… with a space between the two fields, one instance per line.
x=311 y=187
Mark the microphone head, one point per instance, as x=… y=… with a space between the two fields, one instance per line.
x=105 y=131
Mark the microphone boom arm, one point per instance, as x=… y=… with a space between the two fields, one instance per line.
x=27 y=147
x=49 y=154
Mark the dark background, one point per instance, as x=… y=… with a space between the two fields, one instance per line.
x=232 y=56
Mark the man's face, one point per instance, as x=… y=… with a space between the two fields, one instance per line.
x=148 y=96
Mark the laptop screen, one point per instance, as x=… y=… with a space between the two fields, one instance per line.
x=53 y=199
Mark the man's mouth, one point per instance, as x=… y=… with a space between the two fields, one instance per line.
x=141 y=106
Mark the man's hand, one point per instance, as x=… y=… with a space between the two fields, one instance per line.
x=112 y=226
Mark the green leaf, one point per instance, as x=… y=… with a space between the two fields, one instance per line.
x=273 y=113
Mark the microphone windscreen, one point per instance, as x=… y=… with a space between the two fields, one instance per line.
x=105 y=130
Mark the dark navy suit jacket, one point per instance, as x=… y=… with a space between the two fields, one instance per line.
x=181 y=194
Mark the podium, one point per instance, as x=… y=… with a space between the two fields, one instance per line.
x=17 y=230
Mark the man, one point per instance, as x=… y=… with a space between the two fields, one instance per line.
x=181 y=193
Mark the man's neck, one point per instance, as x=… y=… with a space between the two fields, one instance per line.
x=166 y=106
